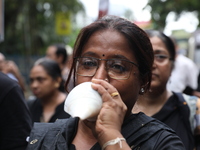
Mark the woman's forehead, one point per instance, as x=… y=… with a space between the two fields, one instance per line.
x=158 y=45
x=108 y=43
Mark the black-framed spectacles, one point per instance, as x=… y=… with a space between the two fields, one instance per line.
x=117 y=68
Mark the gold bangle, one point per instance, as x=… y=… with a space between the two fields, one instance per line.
x=113 y=142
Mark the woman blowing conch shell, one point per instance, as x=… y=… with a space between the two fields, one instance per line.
x=83 y=102
x=116 y=56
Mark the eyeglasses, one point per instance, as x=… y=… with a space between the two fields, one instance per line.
x=161 y=59
x=117 y=68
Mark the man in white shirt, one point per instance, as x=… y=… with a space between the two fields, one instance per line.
x=184 y=76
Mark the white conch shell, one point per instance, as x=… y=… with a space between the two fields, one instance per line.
x=83 y=102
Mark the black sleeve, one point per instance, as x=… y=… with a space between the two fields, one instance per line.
x=15 y=124
x=188 y=90
x=167 y=141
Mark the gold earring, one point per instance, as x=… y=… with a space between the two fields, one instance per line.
x=56 y=84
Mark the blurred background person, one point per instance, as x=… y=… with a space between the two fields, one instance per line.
x=11 y=69
x=174 y=109
x=58 y=53
x=184 y=76
x=15 y=117
x=47 y=85
x=2 y=59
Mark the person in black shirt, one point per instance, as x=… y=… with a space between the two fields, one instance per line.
x=47 y=85
x=16 y=123
x=176 y=110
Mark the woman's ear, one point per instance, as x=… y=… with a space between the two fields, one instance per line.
x=57 y=82
x=142 y=91
x=144 y=88
x=145 y=84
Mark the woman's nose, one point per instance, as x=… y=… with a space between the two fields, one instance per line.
x=154 y=65
x=34 y=84
x=101 y=73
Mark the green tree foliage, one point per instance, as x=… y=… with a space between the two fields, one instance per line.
x=161 y=8
x=30 y=25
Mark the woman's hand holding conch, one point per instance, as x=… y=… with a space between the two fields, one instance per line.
x=111 y=116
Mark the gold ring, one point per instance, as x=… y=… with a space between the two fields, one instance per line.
x=114 y=94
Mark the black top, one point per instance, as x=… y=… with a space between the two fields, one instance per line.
x=175 y=113
x=15 y=120
x=36 y=109
x=140 y=131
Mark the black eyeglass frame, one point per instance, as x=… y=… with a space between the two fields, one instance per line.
x=99 y=59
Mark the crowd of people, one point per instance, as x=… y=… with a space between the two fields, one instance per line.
x=135 y=72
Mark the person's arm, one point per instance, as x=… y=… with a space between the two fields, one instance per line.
x=189 y=91
x=15 y=118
